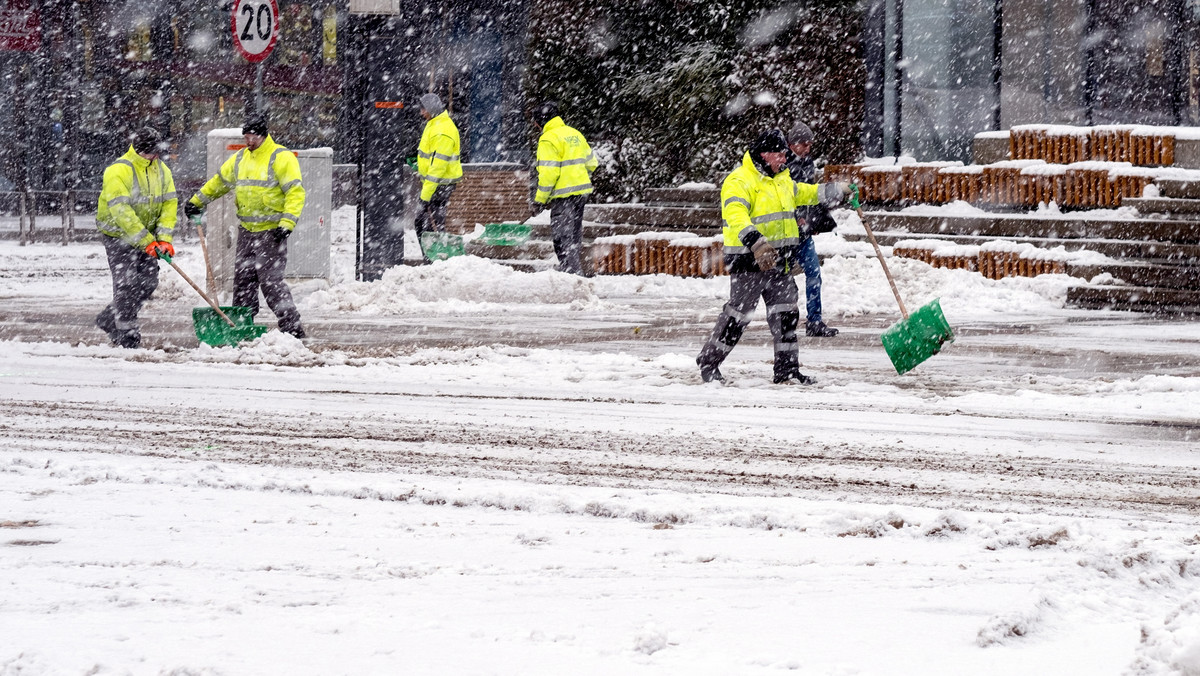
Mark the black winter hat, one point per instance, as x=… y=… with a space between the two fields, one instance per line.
x=770 y=141
x=545 y=112
x=147 y=140
x=255 y=123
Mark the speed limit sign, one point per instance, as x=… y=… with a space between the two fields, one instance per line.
x=255 y=28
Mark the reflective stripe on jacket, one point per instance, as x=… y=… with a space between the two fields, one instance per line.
x=137 y=201
x=438 y=159
x=565 y=162
x=754 y=206
x=266 y=184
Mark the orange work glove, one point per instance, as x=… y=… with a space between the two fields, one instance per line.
x=160 y=250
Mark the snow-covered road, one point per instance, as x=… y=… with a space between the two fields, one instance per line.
x=1024 y=502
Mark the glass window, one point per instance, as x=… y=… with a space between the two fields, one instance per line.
x=948 y=94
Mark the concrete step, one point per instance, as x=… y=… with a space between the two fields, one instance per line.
x=1135 y=299
x=1157 y=275
x=1175 y=206
x=653 y=217
x=1149 y=251
x=1179 y=189
x=678 y=196
x=534 y=249
x=594 y=230
x=997 y=225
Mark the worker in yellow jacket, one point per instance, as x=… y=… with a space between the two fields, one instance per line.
x=136 y=214
x=438 y=163
x=762 y=253
x=265 y=178
x=565 y=163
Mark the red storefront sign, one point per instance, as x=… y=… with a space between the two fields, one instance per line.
x=20 y=26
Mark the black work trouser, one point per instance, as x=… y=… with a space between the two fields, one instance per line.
x=778 y=290
x=566 y=227
x=260 y=261
x=134 y=279
x=433 y=217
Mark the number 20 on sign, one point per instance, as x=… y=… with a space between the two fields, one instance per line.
x=255 y=28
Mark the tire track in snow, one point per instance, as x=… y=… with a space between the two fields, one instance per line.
x=681 y=461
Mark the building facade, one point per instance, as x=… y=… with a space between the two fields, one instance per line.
x=940 y=71
x=79 y=75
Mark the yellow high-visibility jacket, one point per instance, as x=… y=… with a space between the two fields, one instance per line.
x=754 y=205
x=565 y=162
x=438 y=158
x=266 y=185
x=137 y=201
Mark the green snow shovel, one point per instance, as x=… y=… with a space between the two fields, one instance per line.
x=214 y=326
x=918 y=336
x=505 y=234
x=438 y=246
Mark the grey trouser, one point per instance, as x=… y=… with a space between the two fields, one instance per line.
x=566 y=227
x=134 y=279
x=261 y=259
x=778 y=290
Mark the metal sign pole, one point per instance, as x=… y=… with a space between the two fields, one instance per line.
x=258 y=87
x=255 y=25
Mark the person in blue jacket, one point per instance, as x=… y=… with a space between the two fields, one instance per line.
x=812 y=219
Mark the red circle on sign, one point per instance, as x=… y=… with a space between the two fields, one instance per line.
x=248 y=38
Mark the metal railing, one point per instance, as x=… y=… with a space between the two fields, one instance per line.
x=32 y=205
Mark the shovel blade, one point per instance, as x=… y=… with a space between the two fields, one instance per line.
x=911 y=341
x=214 y=331
x=505 y=234
x=438 y=246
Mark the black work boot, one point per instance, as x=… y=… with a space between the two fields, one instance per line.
x=710 y=372
x=818 y=329
x=791 y=376
x=107 y=323
x=128 y=339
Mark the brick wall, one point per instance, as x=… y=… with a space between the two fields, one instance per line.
x=489 y=193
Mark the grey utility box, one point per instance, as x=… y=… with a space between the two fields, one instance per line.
x=308 y=247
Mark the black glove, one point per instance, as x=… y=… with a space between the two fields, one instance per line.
x=281 y=233
x=191 y=209
x=536 y=209
x=820 y=219
x=805 y=226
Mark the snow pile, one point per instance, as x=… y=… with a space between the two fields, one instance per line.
x=854 y=286
x=1057 y=253
x=1118 y=214
x=460 y=284
x=955 y=208
x=275 y=348
x=660 y=286
x=46 y=269
x=650 y=639
x=1006 y=627
x=1172 y=647
x=876 y=161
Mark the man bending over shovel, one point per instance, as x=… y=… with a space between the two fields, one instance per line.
x=758 y=205
x=136 y=215
x=265 y=178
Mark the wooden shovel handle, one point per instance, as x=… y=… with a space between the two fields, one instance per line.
x=202 y=294
x=210 y=280
x=879 y=254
